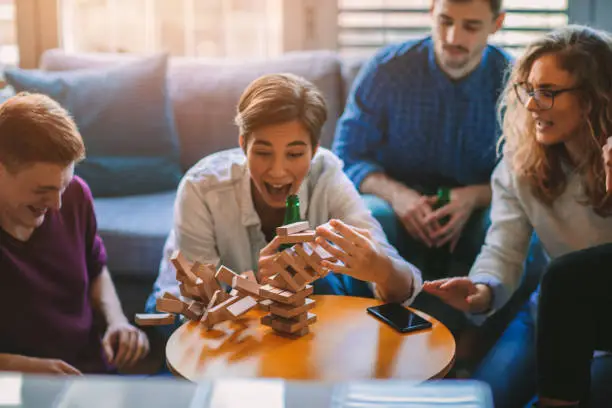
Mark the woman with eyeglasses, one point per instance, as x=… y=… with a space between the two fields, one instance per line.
x=557 y=116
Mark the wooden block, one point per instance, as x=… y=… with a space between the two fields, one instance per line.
x=218 y=313
x=241 y=306
x=289 y=311
x=294 y=228
x=298 y=264
x=168 y=295
x=278 y=282
x=189 y=291
x=308 y=236
x=234 y=292
x=288 y=325
x=313 y=254
x=288 y=278
x=194 y=311
x=154 y=319
x=265 y=304
x=225 y=275
x=245 y=285
x=300 y=333
x=249 y=275
x=285 y=296
x=183 y=270
x=169 y=305
x=209 y=284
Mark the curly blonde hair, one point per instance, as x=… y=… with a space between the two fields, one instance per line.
x=586 y=54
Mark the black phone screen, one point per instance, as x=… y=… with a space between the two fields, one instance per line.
x=398 y=317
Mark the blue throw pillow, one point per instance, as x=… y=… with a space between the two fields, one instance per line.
x=125 y=116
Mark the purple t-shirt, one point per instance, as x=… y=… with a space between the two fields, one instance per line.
x=45 y=284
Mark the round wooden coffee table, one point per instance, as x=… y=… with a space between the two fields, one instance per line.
x=345 y=344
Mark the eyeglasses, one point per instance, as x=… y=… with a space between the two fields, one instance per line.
x=544 y=98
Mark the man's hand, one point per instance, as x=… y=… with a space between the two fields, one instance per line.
x=124 y=344
x=354 y=247
x=461 y=293
x=415 y=211
x=266 y=259
x=33 y=365
x=463 y=203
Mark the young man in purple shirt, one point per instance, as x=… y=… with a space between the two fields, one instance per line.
x=61 y=312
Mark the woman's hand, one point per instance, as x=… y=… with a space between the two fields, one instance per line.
x=360 y=257
x=267 y=257
x=461 y=293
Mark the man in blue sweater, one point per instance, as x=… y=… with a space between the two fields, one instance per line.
x=422 y=115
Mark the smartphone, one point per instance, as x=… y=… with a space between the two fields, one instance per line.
x=399 y=318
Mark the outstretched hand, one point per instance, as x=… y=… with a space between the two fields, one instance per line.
x=461 y=293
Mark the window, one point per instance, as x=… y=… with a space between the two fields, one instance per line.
x=202 y=28
x=9 y=51
x=365 y=25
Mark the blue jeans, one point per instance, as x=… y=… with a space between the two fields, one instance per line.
x=510 y=367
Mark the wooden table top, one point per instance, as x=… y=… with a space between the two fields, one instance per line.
x=345 y=344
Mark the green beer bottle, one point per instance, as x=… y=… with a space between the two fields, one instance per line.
x=292 y=214
x=438 y=261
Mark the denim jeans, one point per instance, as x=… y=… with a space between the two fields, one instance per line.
x=510 y=366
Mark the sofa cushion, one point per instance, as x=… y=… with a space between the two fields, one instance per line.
x=134 y=230
x=125 y=117
x=205 y=92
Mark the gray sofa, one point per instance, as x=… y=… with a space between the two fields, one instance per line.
x=204 y=93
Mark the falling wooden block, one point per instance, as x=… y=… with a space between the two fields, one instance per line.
x=298 y=265
x=285 y=296
x=241 y=306
x=169 y=305
x=183 y=271
x=218 y=313
x=313 y=255
x=308 y=236
x=154 y=319
x=292 y=228
x=288 y=325
x=288 y=311
x=209 y=284
x=194 y=311
x=168 y=295
x=249 y=275
x=287 y=278
x=245 y=285
x=188 y=291
x=226 y=275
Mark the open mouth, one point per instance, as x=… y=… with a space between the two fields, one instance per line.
x=278 y=192
x=543 y=125
x=37 y=212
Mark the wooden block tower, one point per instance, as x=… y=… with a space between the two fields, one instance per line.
x=288 y=289
x=284 y=296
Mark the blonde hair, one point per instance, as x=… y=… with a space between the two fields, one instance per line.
x=586 y=54
x=35 y=128
x=280 y=98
